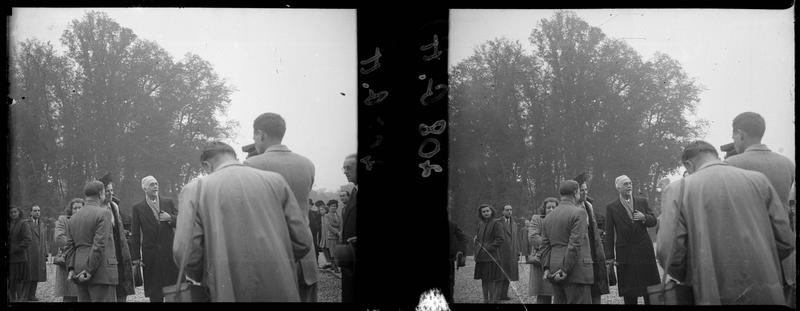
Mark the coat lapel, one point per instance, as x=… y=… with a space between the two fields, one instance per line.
x=623 y=213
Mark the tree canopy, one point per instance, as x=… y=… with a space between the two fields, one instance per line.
x=577 y=102
x=111 y=102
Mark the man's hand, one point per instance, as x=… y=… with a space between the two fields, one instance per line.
x=546 y=274
x=71 y=274
x=138 y=262
x=164 y=216
x=638 y=216
x=559 y=276
x=351 y=240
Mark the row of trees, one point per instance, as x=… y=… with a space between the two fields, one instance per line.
x=111 y=102
x=579 y=101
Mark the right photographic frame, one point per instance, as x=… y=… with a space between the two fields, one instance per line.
x=590 y=149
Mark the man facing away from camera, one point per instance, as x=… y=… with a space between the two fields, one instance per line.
x=725 y=236
x=748 y=129
x=240 y=231
x=91 y=256
x=298 y=171
x=565 y=237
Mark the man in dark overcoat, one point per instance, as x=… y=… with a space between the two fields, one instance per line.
x=37 y=254
x=510 y=251
x=346 y=252
x=153 y=229
x=628 y=245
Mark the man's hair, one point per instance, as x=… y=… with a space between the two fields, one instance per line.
x=106 y=179
x=697 y=147
x=270 y=123
x=216 y=148
x=568 y=187
x=35 y=205
x=93 y=188
x=319 y=203
x=582 y=178
x=351 y=156
x=750 y=123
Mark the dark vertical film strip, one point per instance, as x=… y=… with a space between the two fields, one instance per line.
x=402 y=151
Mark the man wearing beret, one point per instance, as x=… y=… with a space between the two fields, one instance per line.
x=153 y=233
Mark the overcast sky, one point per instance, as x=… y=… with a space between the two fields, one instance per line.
x=292 y=62
x=744 y=58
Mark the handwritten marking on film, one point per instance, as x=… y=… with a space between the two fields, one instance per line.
x=374 y=59
x=436 y=129
x=435 y=46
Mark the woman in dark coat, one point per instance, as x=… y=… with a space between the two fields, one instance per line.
x=537 y=286
x=19 y=238
x=487 y=253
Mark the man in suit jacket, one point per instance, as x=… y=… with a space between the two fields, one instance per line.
x=153 y=226
x=600 y=286
x=748 y=129
x=628 y=245
x=91 y=256
x=510 y=252
x=268 y=131
x=565 y=237
x=345 y=254
x=37 y=254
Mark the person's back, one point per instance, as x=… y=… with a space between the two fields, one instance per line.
x=730 y=236
x=296 y=169
x=778 y=169
x=245 y=215
x=559 y=228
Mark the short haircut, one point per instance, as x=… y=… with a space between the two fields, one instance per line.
x=582 y=178
x=106 y=179
x=568 y=187
x=332 y=202
x=319 y=203
x=751 y=123
x=214 y=149
x=543 y=208
x=697 y=147
x=352 y=156
x=93 y=188
x=68 y=209
x=270 y=123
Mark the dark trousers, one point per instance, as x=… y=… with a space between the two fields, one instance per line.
x=596 y=299
x=632 y=300
x=69 y=299
x=452 y=278
x=29 y=291
x=572 y=294
x=348 y=282
x=157 y=298
x=308 y=293
x=502 y=288
x=544 y=300
x=97 y=293
x=490 y=291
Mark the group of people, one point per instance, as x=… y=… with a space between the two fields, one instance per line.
x=724 y=232
x=27 y=253
x=239 y=232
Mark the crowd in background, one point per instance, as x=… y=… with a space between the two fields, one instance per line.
x=242 y=233
x=725 y=234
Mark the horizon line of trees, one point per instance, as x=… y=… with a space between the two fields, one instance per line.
x=112 y=102
x=578 y=102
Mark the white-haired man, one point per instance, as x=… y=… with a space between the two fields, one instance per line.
x=152 y=228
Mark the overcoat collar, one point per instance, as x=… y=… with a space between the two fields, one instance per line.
x=277 y=148
x=757 y=147
x=712 y=163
